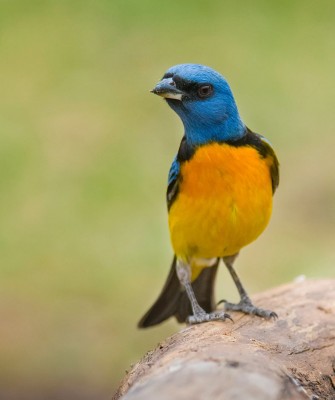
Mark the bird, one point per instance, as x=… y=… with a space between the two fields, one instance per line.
x=219 y=196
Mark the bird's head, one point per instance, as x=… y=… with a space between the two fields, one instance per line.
x=204 y=101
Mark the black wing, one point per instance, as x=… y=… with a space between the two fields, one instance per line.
x=185 y=153
x=274 y=163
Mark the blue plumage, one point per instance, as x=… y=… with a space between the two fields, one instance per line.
x=212 y=118
x=174 y=171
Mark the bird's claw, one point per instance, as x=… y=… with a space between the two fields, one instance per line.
x=205 y=317
x=247 y=307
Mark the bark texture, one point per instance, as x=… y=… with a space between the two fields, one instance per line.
x=290 y=358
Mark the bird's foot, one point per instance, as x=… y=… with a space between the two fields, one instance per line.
x=200 y=317
x=246 y=306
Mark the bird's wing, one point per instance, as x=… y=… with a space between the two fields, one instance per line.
x=274 y=163
x=185 y=153
x=173 y=182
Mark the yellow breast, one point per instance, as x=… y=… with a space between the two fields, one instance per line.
x=224 y=201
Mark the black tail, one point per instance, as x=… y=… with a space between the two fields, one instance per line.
x=173 y=300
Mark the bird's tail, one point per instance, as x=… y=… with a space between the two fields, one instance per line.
x=173 y=300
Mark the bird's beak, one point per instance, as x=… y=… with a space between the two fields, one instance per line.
x=167 y=88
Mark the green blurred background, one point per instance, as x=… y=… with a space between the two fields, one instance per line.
x=85 y=151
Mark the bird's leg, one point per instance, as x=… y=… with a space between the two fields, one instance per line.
x=245 y=305
x=199 y=314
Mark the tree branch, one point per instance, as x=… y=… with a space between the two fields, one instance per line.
x=291 y=358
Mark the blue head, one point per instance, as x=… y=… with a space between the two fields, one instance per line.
x=203 y=100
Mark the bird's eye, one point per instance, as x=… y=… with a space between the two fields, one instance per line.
x=205 y=91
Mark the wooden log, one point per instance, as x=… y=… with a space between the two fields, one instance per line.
x=290 y=358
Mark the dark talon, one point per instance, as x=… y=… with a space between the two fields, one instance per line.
x=229 y=317
x=246 y=306
x=273 y=315
x=204 y=317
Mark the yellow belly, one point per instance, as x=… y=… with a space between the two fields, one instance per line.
x=224 y=202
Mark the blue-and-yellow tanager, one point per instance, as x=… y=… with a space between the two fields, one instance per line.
x=219 y=195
